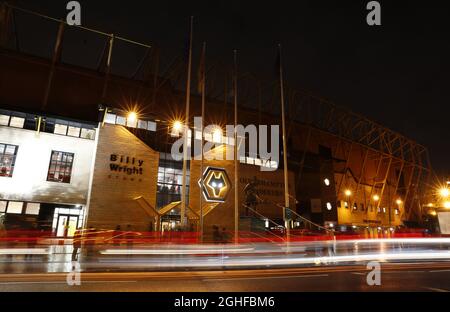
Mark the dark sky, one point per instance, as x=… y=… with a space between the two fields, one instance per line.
x=396 y=74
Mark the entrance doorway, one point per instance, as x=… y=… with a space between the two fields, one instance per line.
x=66 y=225
x=67 y=220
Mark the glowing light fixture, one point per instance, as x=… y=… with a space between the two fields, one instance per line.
x=329 y=206
x=177 y=125
x=348 y=193
x=447 y=205
x=217 y=135
x=444 y=192
x=132 y=117
x=399 y=201
x=376 y=197
x=326 y=181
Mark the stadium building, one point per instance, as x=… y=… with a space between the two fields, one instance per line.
x=89 y=145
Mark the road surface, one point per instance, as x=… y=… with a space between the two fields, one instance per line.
x=432 y=277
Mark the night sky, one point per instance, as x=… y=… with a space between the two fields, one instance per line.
x=396 y=74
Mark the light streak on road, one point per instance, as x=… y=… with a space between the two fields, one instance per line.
x=24 y=251
x=174 y=251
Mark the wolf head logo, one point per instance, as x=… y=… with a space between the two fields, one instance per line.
x=216 y=184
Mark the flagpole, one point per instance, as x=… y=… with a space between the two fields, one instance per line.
x=186 y=128
x=203 y=86
x=236 y=161
x=283 y=121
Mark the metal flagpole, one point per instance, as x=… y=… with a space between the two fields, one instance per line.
x=186 y=128
x=203 y=86
x=236 y=161
x=283 y=121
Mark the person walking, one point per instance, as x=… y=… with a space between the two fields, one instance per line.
x=76 y=242
x=216 y=234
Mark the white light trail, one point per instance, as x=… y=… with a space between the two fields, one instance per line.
x=24 y=251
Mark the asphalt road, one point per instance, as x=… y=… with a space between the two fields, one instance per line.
x=433 y=277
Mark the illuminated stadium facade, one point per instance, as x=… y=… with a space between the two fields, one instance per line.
x=71 y=156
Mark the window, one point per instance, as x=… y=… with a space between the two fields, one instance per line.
x=15 y=207
x=74 y=131
x=170 y=178
x=7 y=159
x=4 y=120
x=33 y=209
x=142 y=124
x=60 y=169
x=17 y=122
x=3 y=205
x=60 y=129
x=121 y=121
x=88 y=133
x=132 y=122
x=110 y=118
x=151 y=126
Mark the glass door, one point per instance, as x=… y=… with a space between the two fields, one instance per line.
x=66 y=225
